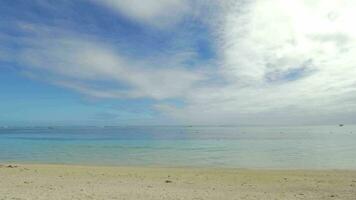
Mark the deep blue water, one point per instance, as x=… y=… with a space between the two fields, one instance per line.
x=307 y=147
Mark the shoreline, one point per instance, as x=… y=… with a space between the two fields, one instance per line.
x=212 y=167
x=52 y=181
x=192 y=167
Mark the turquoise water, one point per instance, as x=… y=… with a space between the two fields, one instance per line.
x=313 y=147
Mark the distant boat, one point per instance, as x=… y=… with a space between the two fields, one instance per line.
x=341 y=125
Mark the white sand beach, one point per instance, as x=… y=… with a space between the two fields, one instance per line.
x=49 y=182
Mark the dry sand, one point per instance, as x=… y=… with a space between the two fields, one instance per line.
x=84 y=182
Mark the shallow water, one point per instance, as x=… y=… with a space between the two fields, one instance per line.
x=307 y=147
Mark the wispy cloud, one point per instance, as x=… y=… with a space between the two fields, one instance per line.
x=284 y=62
x=276 y=61
x=153 y=12
x=95 y=68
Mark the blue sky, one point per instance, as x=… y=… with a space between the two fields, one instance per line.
x=157 y=62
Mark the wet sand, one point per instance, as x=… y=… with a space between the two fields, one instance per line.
x=49 y=182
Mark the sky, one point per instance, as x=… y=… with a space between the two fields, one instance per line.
x=177 y=62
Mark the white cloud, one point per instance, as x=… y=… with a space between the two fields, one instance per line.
x=154 y=12
x=97 y=69
x=280 y=35
x=284 y=62
x=279 y=62
x=164 y=13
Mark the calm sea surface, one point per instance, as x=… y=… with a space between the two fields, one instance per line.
x=307 y=147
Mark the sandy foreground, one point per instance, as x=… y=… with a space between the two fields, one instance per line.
x=85 y=182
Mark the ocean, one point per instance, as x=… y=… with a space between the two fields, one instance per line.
x=300 y=147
